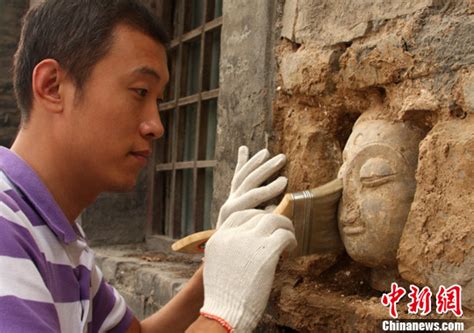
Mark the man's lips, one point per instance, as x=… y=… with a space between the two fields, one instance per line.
x=141 y=154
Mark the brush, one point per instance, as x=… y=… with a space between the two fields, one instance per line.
x=314 y=216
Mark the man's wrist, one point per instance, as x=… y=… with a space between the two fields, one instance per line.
x=208 y=325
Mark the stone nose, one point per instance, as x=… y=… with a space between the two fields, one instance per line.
x=350 y=214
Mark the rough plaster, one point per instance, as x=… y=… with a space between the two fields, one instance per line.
x=337 y=60
x=11 y=13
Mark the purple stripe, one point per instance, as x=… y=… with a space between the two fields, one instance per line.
x=66 y=284
x=17 y=242
x=102 y=304
x=124 y=323
x=83 y=275
x=63 y=283
x=18 y=316
x=5 y=198
x=31 y=185
x=32 y=215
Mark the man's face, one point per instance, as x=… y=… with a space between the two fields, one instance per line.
x=110 y=128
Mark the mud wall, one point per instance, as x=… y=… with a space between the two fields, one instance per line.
x=10 y=15
x=409 y=61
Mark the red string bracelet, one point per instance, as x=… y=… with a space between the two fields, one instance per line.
x=221 y=321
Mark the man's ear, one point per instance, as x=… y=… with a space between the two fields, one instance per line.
x=46 y=82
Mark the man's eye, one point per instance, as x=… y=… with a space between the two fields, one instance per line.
x=141 y=92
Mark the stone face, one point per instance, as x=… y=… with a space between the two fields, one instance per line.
x=437 y=246
x=378 y=174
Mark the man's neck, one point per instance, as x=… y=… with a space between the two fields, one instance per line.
x=67 y=188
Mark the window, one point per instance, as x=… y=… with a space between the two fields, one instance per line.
x=182 y=173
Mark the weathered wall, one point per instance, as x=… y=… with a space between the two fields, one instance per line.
x=411 y=61
x=10 y=15
x=245 y=87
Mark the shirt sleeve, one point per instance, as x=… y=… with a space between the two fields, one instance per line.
x=110 y=313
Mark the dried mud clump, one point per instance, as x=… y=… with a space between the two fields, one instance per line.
x=410 y=61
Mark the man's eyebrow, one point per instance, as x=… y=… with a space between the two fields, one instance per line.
x=147 y=71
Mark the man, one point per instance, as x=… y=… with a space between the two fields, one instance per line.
x=88 y=75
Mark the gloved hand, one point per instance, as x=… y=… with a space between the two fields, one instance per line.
x=245 y=192
x=240 y=262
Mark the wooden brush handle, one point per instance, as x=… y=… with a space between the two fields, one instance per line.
x=196 y=242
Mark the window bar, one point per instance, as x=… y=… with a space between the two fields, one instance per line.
x=154 y=196
x=197 y=202
x=172 y=222
x=151 y=197
x=183 y=101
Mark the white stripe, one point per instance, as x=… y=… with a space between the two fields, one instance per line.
x=20 y=278
x=48 y=243
x=116 y=314
x=96 y=279
x=69 y=316
x=5 y=183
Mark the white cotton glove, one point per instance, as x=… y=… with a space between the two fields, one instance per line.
x=240 y=263
x=246 y=192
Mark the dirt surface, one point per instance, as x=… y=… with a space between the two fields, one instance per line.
x=415 y=67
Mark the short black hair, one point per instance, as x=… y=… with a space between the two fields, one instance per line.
x=77 y=34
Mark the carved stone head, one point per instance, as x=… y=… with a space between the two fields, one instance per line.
x=378 y=172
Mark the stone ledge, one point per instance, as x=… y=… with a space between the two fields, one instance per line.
x=146 y=279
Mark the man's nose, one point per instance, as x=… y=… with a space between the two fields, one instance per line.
x=152 y=127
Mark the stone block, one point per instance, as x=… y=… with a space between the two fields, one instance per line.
x=437 y=245
x=109 y=268
x=306 y=71
x=290 y=15
x=468 y=91
x=146 y=281
x=376 y=62
x=331 y=22
x=135 y=301
x=164 y=284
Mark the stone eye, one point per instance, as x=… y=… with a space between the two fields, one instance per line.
x=376 y=171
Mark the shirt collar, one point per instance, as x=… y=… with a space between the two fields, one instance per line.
x=31 y=186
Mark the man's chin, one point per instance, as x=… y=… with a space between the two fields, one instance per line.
x=123 y=187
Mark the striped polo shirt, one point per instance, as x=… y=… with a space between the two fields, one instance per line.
x=48 y=278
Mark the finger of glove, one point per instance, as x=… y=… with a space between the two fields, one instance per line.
x=284 y=240
x=270 y=208
x=261 y=174
x=259 y=195
x=239 y=218
x=266 y=223
x=248 y=167
x=269 y=223
x=242 y=158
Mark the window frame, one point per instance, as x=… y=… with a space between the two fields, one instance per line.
x=163 y=216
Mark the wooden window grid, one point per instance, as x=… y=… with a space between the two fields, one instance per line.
x=181 y=175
